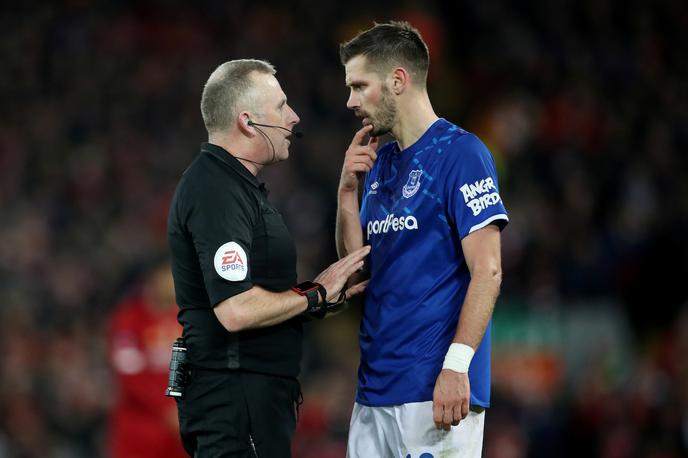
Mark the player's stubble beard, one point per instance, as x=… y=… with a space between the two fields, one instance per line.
x=386 y=115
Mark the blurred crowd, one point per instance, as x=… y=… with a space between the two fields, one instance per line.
x=584 y=105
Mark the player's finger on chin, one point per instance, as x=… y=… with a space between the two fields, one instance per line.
x=360 y=135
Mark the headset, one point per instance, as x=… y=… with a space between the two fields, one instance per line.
x=295 y=133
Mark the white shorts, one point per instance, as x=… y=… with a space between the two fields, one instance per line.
x=408 y=431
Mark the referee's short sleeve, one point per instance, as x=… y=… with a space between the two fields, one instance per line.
x=221 y=226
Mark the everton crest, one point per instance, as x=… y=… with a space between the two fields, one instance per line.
x=412 y=185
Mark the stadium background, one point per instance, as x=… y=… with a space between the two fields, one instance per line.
x=583 y=104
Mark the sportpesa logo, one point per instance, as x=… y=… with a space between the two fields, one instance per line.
x=391 y=223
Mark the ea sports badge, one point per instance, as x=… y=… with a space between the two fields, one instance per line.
x=231 y=262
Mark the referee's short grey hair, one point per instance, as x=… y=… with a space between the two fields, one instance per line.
x=228 y=91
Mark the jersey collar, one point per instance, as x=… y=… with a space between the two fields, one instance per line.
x=434 y=130
x=223 y=155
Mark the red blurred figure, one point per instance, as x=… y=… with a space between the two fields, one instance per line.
x=143 y=422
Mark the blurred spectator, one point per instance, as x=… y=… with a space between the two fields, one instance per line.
x=143 y=422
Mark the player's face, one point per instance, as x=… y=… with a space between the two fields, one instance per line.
x=369 y=97
x=275 y=111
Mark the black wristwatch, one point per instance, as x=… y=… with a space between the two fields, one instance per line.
x=317 y=308
x=310 y=290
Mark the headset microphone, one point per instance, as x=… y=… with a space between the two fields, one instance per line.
x=295 y=133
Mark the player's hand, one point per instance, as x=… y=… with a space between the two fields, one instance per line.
x=451 y=399
x=334 y=277
x=358 y=158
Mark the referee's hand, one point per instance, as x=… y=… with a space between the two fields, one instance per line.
x=451 y=399
x=334 y=277
x=358 y=158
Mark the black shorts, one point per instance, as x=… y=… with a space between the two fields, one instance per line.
x=238 y=414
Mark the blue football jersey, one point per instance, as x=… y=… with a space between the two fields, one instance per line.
x=417 y=206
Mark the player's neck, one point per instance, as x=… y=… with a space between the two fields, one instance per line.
x=415 y=116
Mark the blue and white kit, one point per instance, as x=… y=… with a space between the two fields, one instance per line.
x=417 y=206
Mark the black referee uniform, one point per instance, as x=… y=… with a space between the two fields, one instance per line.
x=224 y=238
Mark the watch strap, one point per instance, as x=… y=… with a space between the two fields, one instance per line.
x=323 y=293
x=313 y=299
x=318 y=309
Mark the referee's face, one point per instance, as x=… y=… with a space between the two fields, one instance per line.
x=275 y=111
x=369 y=97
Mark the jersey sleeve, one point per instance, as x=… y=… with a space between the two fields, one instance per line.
x=221 y=226
x=472 y=189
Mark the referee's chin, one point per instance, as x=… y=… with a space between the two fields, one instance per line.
x=282 y=155
x=286 y=150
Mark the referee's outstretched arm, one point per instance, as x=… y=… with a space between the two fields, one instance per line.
x=259 y=308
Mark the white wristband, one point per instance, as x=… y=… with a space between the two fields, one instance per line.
x=458 y=358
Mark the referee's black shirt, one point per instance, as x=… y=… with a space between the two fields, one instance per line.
x=224 y=238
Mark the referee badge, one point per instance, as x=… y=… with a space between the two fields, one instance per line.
x=412 y=185
x=231 y=262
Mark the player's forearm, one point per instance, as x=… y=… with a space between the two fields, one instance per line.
x=478 y=305
x=348 y=232
x=259 y=308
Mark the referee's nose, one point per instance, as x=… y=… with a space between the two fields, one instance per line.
x=293 y=117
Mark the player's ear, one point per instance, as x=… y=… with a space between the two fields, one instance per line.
x=399 y=80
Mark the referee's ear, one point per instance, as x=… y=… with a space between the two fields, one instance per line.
x=244 y=124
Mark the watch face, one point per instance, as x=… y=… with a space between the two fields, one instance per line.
x=306 y=286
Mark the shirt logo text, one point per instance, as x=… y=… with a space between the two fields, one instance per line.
x=477 y=195
x=392 y=223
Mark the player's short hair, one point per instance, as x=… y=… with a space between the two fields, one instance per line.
x=389 y=45
x=229 y=90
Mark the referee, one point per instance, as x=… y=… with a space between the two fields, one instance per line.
x=234 y=268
